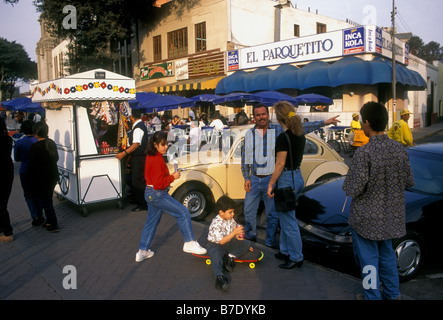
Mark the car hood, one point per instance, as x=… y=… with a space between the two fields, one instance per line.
x=325 y=206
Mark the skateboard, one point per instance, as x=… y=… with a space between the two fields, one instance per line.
x=250 y=257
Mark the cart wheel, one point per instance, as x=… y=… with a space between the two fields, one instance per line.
x=120 y=204
x=208 y=261
x=84 y=212
x=252 y=265
x=59 y=197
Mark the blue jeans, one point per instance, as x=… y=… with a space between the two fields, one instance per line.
x=29 y=195
x=290 y=238
x=380 y=256
x=159 y=201
x=259 y=188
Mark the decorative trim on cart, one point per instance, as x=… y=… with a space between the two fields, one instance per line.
x=52 y=86
x=83 y=87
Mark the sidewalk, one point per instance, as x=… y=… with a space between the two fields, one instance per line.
x=421 y=133
x=102 y=246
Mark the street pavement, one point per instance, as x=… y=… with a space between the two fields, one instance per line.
x=93 y=258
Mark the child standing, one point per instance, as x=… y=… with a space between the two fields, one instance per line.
x=225 y=241
x=158 y=199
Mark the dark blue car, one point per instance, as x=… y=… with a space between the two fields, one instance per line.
x=323 y=211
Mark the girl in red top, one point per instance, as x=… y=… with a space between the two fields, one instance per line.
x=158 y=180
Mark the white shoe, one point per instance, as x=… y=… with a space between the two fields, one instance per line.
x=143 y=254
x=193 y=247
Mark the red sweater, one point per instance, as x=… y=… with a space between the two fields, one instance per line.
x=157 y=173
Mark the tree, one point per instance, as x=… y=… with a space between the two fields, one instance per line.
x=15 y=64
x=100 y=26
x=430 y=52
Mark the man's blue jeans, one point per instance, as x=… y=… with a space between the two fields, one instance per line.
x=290 y=238
x=159 y=201
x=381 y=265
x=259 y=188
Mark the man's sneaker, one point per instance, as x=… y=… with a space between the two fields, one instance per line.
x=221 y=283
x=193 y=247
x=143 y=254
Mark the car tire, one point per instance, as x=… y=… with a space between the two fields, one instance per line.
x=409 y=251
x=195 y=198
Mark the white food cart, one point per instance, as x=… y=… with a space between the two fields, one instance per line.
x=88 y=169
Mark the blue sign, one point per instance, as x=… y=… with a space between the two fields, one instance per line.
x=233 y=60
x=354 y=40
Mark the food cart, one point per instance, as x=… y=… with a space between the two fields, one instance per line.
x=86 y=114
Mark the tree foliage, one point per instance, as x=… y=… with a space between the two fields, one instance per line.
x=100 y=26
x=15 y=64
x=430 y=52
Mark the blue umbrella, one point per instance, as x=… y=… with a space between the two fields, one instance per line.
x=142 y=97
x=312 y=98
x=206 y=97
x=235 y=96
x=271 y=97
x=166 y=102
x=13 y=103
x=31 y=107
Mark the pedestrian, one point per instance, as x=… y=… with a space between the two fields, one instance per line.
x=22 y=149
x=400 y=130
x=43 y=172
x=226 y=241
x=355 y=123
x=241 y=118
x=137 y=152
x=287 y=173
x=158 y=199
x=6 y=178
x=192 y=114
x=257 y=165
x=376 y=181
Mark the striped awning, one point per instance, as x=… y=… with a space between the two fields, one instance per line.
x=190 y=84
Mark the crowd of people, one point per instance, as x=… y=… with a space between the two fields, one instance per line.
x=38 y=172
x=377 y=209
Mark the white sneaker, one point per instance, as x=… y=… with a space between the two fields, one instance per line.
x=193 y=247
x=143 y=254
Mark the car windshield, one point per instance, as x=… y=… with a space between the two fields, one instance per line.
x=428 y=172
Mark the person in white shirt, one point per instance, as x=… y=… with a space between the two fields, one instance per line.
x=194 y=139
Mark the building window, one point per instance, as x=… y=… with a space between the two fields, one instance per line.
x=157 y=48
x=61 y=66
x=178 y=43
x=296 y=30
x=321 y=28
x=200 y=37
x=56 y=75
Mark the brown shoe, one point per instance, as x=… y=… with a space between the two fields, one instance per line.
x=4 y=238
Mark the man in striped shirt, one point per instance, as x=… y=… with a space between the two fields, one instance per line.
x=257 y=165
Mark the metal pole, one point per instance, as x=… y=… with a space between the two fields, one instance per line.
x=394 y=83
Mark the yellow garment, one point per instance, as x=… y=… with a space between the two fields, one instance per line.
x=401 y=132
x=355 y=125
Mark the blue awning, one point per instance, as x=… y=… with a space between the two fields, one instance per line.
x=348 y=70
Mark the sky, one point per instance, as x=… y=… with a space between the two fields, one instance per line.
x=423 y=18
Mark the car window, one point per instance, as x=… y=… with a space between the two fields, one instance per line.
x=428 y=173
x=310 y=147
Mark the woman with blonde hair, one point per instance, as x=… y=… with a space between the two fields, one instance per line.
x=289 y=149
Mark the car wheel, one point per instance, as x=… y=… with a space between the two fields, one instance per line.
x=195 y=199
x=409 y=251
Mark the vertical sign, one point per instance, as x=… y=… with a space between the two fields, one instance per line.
x=233 y=60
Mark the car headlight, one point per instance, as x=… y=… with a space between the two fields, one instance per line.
x=345 y=239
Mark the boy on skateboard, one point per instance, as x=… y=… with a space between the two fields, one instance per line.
x=225 y=241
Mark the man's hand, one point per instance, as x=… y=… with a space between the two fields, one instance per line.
x=248 y=185
x=332 y=120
